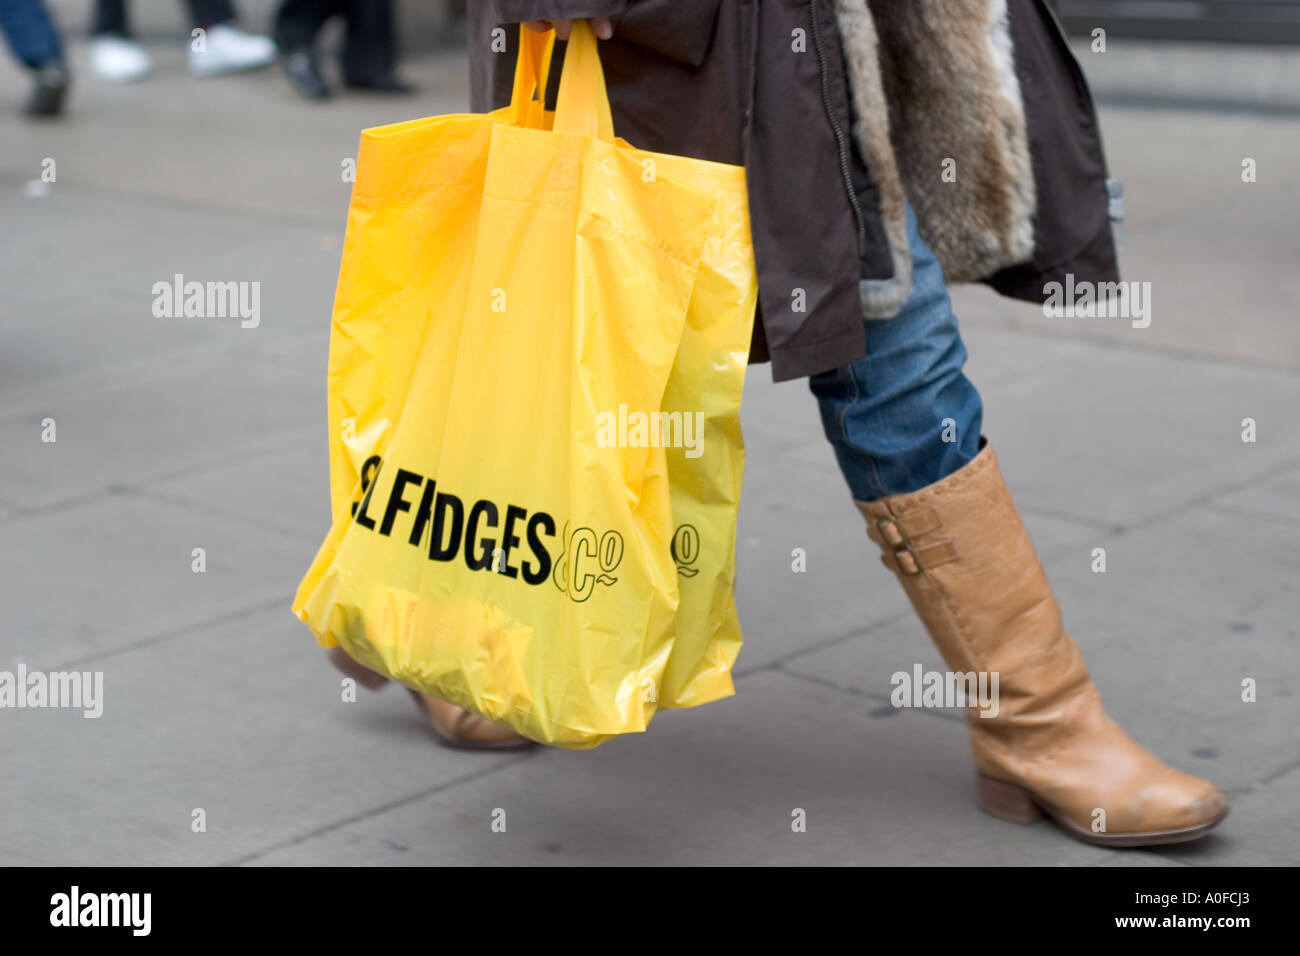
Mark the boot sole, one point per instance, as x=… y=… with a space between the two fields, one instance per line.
x=1008 y=801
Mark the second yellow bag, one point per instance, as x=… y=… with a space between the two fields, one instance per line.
x=701 y=404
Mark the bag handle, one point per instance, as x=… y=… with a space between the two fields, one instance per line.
x=582 y=105
x=532 y=69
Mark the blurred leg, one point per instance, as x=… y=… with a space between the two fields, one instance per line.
x=113 y=54
x=298 y=21
x=204 y=13
x=370 y=55
x=30 y=32
x=110 y=18
x=296 y=24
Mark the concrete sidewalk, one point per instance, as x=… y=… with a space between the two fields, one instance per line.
x=181 y=434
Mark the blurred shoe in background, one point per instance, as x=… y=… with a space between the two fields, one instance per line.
x=369 y=57
x=118 y=59
x=228 y=49
x=304 y=74
x=216 y=46
x=48 y=91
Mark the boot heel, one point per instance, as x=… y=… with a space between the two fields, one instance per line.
x=358 y=672
x=1006 y=800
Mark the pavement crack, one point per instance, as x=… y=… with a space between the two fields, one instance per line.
x=382 y=808
x=247 y=611
x=822 y=645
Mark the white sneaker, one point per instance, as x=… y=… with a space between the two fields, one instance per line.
x=227 y=49
x=118 y=59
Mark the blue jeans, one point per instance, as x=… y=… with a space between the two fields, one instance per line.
x=30 y=32
x=905 y=416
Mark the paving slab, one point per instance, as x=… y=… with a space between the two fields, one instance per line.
x=285 y=490
x=306 y=351
x=1276 y=499
x=1116 y=436
x=718 y=785
x=243 y=719
x=1188 y=610
x=169 y=419
x=789 y=504
x=68 y=332
x=118 y=570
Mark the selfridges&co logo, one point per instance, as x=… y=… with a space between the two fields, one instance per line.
x=490 y=536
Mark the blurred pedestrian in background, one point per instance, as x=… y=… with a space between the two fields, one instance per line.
x=369 y=60
x=222 y=48
x=31 y=35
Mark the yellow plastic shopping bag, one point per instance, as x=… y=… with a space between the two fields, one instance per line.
x=505 y=293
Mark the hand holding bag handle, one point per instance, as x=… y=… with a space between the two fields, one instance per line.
x=582 y=105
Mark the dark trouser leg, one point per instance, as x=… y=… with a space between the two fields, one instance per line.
x=298 y=21
x=204 y=13
x=110 y=18
x=371 y=50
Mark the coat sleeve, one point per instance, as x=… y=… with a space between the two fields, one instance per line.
x=681 y=30
x=517 y=11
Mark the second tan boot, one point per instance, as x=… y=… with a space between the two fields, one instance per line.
x=453 y=726
x=964 y=557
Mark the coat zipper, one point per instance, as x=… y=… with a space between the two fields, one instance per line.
x=841 y=141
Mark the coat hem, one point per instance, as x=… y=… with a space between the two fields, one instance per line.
x=812 y=358
x=1095 y=262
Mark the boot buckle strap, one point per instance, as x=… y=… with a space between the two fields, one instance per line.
x=907 y=559
x=896 y=534
x=890 y=533
x=912 y=524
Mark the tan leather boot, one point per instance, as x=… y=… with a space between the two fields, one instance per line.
x=965 y=559
x=453 y=726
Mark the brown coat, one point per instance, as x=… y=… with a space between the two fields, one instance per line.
x=840 y=111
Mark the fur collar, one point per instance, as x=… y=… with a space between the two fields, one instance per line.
x=940 y=122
